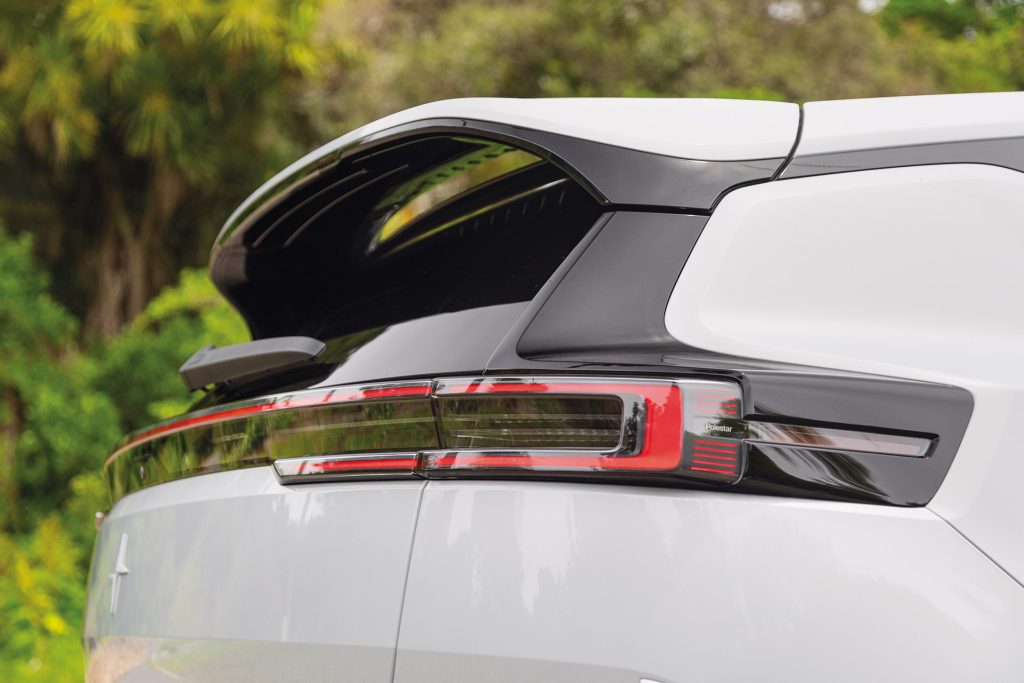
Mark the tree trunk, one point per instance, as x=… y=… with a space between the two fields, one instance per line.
x=127 y=267
x=9 y=476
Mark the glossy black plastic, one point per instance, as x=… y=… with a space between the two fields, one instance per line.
x=1004 y=152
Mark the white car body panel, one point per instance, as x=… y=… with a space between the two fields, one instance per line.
x=847 y=125
x=224 y=566
x=908 y=272
x=556 y=582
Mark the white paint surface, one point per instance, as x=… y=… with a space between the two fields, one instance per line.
x=909 y=272
x=845 y=125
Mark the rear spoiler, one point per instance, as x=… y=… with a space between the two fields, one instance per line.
x=282 y=243
x=212 y=366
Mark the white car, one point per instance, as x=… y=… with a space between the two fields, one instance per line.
x=599 y=390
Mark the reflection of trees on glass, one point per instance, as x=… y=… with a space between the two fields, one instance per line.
x=828 y=468
x=392 y=425
x=427 y=191
x=364 y=427
x=530 y=422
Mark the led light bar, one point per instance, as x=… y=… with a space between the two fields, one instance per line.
x=608 y=428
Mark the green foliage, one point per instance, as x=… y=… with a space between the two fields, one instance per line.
x=55 y=428
x=140 y=367
x=157 y=75
x=147 y=120
x=952 y=18
x=55 y=424
x=41 y=597
x=30 y=320
x=58 y=422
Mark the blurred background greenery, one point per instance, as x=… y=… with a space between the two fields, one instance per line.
x=129 y=129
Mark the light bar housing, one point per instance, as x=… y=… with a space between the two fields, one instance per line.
x=613 y=429
x=660 y=429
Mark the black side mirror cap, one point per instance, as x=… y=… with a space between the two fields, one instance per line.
x=211 y=365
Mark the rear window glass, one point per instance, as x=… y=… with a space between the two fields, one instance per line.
x=430 y=226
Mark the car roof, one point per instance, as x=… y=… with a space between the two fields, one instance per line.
x=851 y=125
x=700 y=129
x=688 y=128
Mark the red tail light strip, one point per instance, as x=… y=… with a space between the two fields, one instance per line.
x=655 y=429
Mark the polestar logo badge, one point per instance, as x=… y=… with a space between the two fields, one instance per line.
x=120 y=571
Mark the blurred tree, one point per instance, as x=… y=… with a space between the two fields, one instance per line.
x=952 y=18
x=960 y=45
x=54 y=424
x=54 y=427
x=416 y=52
x=140 y=367
x=41 y=599
x=134 y=125
x=58 y=422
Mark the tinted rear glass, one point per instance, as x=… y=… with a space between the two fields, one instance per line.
x=430 y=226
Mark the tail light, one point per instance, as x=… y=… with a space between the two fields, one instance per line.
x=601 y=428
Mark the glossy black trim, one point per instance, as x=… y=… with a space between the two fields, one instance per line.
x=1003 y=152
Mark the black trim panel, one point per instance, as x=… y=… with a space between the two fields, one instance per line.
x=1004 y=152
x=615 y=295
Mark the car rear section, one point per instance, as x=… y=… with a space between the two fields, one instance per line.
x=605 y=390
